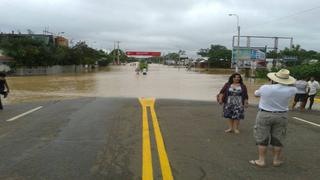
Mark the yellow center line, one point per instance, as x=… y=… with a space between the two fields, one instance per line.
x=147 y=173
x=164 y=161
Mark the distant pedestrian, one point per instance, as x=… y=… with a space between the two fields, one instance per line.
x=4 y=88
x=313 y=86
x=144 y=71
x=137 y=70
x=234 y=97
x=302 y=94
x=272 y=119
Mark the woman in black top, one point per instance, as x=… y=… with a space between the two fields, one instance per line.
x=4 y=88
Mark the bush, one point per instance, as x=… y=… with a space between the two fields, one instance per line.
x=299 y=72
x=261 y=73
x=306 y=71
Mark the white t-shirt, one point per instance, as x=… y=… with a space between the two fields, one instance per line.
x=275 y=97
x=301 y=85
x=313 y=87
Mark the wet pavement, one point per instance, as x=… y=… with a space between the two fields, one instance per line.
x=102 y=138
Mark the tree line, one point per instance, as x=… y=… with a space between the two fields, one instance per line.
x=30 y=52
x=218 y=53
x=220 y=57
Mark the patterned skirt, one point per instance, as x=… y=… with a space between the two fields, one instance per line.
x=233 y=111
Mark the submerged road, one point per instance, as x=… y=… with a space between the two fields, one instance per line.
x=129 y=138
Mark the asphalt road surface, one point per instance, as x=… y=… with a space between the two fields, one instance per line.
x=127 y=138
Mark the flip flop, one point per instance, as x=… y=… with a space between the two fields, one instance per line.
x=254 y=162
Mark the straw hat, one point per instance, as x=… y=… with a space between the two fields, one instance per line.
x=282 y=77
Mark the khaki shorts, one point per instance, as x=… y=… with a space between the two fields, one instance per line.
x=270 y=128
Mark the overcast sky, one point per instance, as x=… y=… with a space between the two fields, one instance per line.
x=166 y=25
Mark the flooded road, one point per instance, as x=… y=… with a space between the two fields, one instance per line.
x=122 y=138
x=121 y=81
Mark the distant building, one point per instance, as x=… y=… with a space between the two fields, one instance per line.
x=201 y=62
x=46 y=38
x=61 y=41
x=4 y=62
x=169 y=62
x=313 y=61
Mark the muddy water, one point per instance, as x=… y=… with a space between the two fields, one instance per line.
x=121 y=81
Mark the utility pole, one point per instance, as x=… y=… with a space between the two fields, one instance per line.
x=238 y=45
x=113 y=55
x=118 y=53
x=238 y=42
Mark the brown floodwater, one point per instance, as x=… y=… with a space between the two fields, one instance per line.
x=121 y=81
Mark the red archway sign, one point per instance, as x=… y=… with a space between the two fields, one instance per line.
x=136 y=53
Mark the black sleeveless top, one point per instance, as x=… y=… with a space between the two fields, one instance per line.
x=2 y=82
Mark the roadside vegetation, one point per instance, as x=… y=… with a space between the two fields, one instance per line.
x=30 y=52
x=220 y=57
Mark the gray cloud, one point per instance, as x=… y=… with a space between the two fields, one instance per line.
x=165 y=25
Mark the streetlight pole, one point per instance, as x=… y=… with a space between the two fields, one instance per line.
x=118 y=52
x=238 y=42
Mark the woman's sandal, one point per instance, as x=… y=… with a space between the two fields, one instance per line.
x=228 y=130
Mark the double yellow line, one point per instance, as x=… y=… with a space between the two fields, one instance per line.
x=147 y=170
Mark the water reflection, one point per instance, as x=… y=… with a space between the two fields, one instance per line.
x=121 y=81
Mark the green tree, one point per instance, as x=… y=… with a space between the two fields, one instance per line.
x=81 y=53
x=294 y=51
x=122 y=55
x=32 y=52
x=272 y=54
x=219 y=56
x=172 y=56
x=24 y=50
x=61 y=55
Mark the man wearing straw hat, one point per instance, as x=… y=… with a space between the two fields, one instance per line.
x=272 y=119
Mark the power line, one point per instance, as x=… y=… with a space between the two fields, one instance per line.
x=287 y=16
x=297 y=13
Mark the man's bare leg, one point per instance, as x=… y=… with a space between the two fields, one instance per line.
x=262 y=155
x=261 y=162
x=277 y=155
